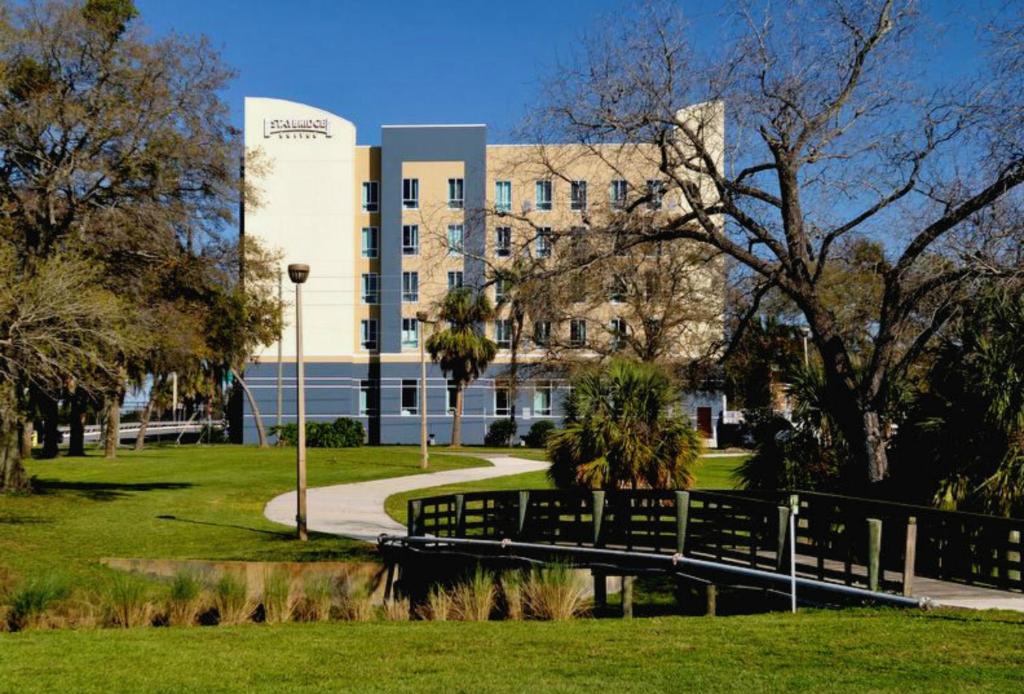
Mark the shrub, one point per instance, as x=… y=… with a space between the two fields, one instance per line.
x=231 y=598
x=278 y=600
x=500 y=433
x=473 y=599
x=185 y=599
x=341 y=433
x=438 y=607
x=538 y=436
x=127 y=602
x=317 y=599
x=30 y=601
x=512 y=594
x=555 y=592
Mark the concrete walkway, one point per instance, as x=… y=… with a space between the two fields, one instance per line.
x=357 y=510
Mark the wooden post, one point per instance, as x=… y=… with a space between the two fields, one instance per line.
x=1017 y=575
x=682 y=519
x=910 y=556
x=874 y=552
x=600 y=589
x=627 y=597
x=597 y=513
x=460 y=514
x=711 y=599
x=524 y=504
x=780 y=542
x=415 y=514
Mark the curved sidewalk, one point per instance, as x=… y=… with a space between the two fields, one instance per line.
x=356 y=510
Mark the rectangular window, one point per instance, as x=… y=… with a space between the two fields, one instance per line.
x=410 y=396
x=455 y=239
x=371 y=242
x=542 y=399
x=503 y=333
x=617 y=291
x=655 y=189
x=368 y=333
x=617 y=328
x=410 y=332
x=502 y=399
x=617 y=193
x=455 y=280
x=503 y=196
x=371 y=196
x=500 y=289
x=544 y=242
x=542 y=333
x=579 y=195
x=543 y=195
x=577 y=332
x=452 y=392
x=410 y=287
x=503 y=242
x=367 y=399
x=456 y=195
x=371 y=288
x=411 y=193
x=410 y=239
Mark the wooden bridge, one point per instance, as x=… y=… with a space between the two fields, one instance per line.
x=846 y=548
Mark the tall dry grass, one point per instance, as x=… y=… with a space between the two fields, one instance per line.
x=126 y=601
x=555 y=592
x=186 y=598
x=279 y=599
x=473 y=599
x=232 y=600
x=317 y=599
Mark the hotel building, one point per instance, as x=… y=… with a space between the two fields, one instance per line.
x=387 y=230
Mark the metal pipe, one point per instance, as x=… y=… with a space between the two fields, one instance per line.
x=675 y=560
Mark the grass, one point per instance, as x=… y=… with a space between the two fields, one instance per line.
x=180 y=503
x=857 y=650
x=713 y=473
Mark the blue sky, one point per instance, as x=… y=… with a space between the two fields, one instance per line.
x=380 y=62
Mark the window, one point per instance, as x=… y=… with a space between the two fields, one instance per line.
x=371 y=242
x=410 y=239
x=580 y=247
x=371 y=288
x=500 y=289
x=410 y=332
x=542 y=333
x=410 y=396
x=371 y=196
x=617 y=291
x=454 y=239
x=368 y=333
x=503 y=333
x=617 y=193
x=579 y=195
x=455 y=280
x=367 y=399
x=456 y=195
x=410 y=287
x=577 y=332
x=617 y=327
x=543 y=195
x=411 y=193
x=542 y=399
x=503 y=242
x=544 y=242
x=452 y=392
x=503 y=196
x=655 y=189
x=502 y=399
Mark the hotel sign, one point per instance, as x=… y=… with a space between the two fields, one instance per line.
x=296 y=128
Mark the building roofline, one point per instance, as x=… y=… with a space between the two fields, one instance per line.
x=436 y=125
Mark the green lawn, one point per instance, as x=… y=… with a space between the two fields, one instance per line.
x=856 y=650
x=180 y=502
x=713 y=473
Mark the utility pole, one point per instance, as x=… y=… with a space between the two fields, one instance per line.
x=298 y=274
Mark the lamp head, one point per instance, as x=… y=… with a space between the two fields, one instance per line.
x=298 y=272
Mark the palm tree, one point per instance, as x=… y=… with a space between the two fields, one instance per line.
x=461 y=349
x=624 y=429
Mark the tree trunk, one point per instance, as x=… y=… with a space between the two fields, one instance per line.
x=261 y=432
x=51 y=426
x=12 y=472
x=25 y=436
x=457 y=418
x=112 y=427
x=147 y=412
x=76 y=435
x=877 y=458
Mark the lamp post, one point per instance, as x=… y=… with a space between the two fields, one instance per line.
x=806 y=332
x=298 y=274
x=421 y=316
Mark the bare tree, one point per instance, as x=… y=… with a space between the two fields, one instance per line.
x=831 y=139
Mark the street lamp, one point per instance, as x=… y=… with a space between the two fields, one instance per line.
x=298 y=273
x=421 y=316
x=806 y=332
